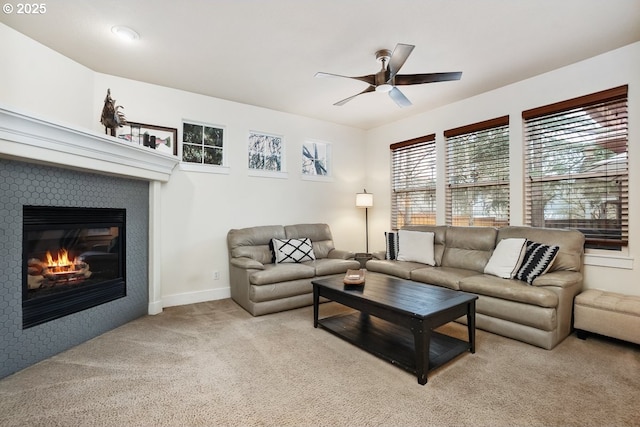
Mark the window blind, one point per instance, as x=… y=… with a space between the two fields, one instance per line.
x=477 y=170
x=577 y=169
x=413 y=182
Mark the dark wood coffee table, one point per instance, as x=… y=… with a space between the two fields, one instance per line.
x=396 y=318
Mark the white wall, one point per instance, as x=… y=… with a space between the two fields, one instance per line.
x=35 y=78
x=616 y=272
x=198 y=209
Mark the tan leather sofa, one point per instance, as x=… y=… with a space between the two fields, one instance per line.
x=262 y=286
x=538 y=314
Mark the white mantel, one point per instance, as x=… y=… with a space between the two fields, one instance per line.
x=28 y=138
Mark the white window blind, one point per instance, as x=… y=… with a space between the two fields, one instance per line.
x=576 y=167
x=413 y=182
x=477 y=170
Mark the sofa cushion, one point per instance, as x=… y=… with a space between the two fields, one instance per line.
x=396 y=268
x=326 y=266
x=537 y=261
x=253 y=242
x=507 y=258
x=447 y=277
x=416 y=246
x=274 y=273
x=509 y=289
x=293 y=250
x=469 y=247
x=320 y=235
x=571 y=243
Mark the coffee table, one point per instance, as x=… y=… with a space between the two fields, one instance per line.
x=396 y=318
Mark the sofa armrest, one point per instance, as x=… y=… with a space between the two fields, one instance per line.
x=559 y=278
x=379 y=255
x=246 y=263
x=340 y=254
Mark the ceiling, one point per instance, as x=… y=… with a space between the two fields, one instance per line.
x=266 y=52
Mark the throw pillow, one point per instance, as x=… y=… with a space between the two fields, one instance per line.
x=293 y=250
x=391 y=239
x=537 y=261
x=416 y=246
x=506 y=258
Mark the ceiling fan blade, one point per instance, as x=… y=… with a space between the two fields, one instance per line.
x=371 y=88
x=398 y=58
x=416 y=79
x=399 y=98
x=370 y=79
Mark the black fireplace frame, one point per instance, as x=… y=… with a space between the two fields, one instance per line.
x=43 y=309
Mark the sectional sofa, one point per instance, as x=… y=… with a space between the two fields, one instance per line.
x=266 y=279
x=538 y=313
x=535 y=307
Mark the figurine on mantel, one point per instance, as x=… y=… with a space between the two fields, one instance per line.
x=112 y=118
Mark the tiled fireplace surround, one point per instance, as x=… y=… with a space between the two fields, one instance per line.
x=50 y=164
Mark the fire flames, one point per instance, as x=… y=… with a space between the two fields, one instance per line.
x=61 y=270
x=63 y=263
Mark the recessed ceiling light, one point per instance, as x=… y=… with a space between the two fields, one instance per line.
x=125 y=33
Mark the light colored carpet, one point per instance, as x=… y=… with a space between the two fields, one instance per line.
x=213 y=364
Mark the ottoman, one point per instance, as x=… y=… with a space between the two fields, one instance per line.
x=607 y=313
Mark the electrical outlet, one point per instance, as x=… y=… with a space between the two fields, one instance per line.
x=216 y=275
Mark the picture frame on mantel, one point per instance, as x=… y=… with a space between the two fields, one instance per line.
x=156 y=137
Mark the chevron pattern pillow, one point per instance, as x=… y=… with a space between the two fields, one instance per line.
x=293 y=250
x=537 y=261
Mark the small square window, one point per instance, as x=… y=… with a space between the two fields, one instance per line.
x=203 y=144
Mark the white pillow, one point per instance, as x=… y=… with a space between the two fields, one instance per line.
x=416 y=246
x=506 y=258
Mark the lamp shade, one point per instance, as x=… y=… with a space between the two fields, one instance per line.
x=364 y=200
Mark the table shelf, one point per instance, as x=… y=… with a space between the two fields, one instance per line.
x=391 y=342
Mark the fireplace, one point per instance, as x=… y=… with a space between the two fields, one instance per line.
x=73 y=259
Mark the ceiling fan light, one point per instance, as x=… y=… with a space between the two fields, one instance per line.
x=125 y=33
x=384 y=88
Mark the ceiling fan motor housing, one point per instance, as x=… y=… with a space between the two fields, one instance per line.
x=383 y=56
x=382 y=82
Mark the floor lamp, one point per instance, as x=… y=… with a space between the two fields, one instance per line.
x=365 y=200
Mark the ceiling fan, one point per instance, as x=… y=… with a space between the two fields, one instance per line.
x=388 y=78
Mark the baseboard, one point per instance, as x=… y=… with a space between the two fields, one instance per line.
x=154 y=307
x=195 y=297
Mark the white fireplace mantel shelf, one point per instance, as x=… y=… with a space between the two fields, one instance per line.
x=28 y=138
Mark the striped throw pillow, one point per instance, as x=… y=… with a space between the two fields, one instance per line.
x=537 y=261
x=391 y=237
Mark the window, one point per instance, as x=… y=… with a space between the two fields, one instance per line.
x=203 y=144
x=477 y=170
x=413 y=186
x=576 y=167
